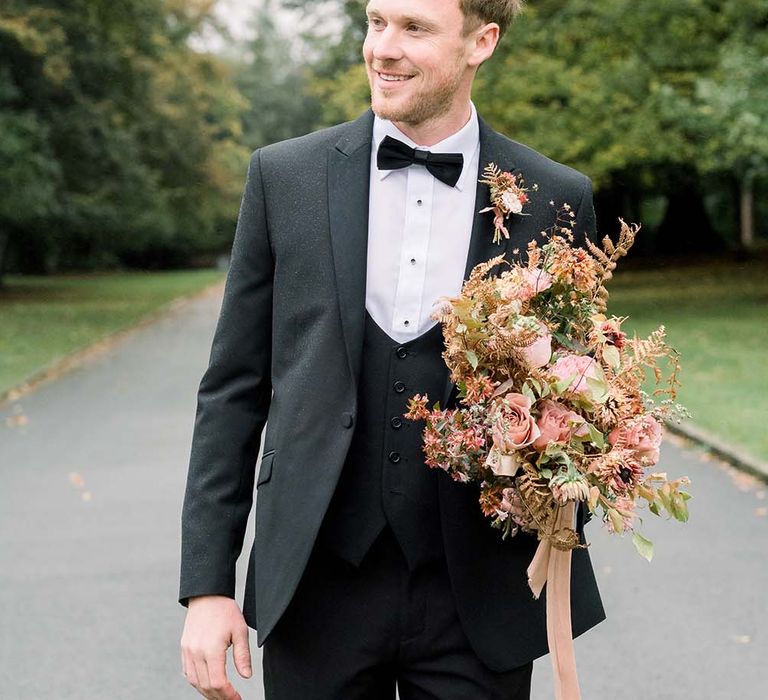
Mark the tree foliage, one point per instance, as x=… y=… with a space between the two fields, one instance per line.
x=120 y=142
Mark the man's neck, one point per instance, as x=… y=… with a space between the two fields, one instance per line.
x=429 y=133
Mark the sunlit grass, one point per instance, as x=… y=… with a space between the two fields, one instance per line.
x=45 y=318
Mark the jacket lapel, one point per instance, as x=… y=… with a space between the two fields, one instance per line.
x=349 y=164
x=494 y=148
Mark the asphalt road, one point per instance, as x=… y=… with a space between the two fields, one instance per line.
x=92 y=470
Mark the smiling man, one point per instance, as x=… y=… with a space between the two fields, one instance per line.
x=368 y=571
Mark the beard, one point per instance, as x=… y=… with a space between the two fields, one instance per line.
x=420 y=106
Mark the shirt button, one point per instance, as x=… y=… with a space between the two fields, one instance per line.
x=419 y=202
x=402 y=352
x=406 y=323
x=413 y=261
x=396 y=422
x=394 y=457
x=399 y=387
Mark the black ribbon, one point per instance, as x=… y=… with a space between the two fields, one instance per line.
x=394 y=154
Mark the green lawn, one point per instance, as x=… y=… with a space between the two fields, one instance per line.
x=716 y=315
x=43 y=319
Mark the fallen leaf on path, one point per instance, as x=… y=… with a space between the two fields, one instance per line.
x=76 y=480
x=761 y=512
x=15 y=421
x=86 y=495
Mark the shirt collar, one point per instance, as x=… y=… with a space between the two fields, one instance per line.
x=465 y=141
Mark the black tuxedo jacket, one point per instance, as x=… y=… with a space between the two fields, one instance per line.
x=286 y=353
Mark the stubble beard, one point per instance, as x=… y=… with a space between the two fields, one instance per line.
x=421 y=107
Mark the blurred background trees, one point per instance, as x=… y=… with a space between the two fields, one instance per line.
x=124 y=138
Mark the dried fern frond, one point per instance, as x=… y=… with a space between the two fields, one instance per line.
x=607 y=256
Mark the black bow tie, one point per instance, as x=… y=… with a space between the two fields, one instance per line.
x=394 y=154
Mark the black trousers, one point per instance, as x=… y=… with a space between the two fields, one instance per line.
x=355 y=633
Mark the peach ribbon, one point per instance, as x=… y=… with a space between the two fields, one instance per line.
x=552 y=566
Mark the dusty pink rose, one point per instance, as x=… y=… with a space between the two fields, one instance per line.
x=558 y=424
x=538 y=280
x=642 y=437
x=513 y=425
x=539 y=352
x=579 y=368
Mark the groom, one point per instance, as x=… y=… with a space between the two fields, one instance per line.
x=367 y=569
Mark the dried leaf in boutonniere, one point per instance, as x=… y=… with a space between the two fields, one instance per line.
x=508 y=196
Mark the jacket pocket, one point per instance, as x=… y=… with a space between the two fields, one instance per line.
x=265 y=470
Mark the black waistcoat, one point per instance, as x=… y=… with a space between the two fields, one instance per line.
x=384 y=478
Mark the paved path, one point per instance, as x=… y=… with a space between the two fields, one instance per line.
x=92 y=469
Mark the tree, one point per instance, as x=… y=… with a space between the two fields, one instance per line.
x=135 y=133
x=276 y=84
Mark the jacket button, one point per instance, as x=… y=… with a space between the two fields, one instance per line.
x=394 y=457
x=396 y=422
x=347 y=420
x=402 y=352
x=399 y=387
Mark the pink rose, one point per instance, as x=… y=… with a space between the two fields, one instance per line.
x=513 y=425
x=642 y=437
x=538 y=353
x=558 y=424
x=578 y=368
x=538 y=280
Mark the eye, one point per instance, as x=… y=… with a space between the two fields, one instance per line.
x=375 y=22
x=414 y=28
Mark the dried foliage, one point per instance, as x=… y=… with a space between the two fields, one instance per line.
x=552 y=408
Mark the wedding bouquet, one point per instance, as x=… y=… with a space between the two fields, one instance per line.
x=553 y=409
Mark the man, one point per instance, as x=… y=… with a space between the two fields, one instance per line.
x=367 y=568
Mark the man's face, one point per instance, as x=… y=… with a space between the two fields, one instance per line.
x=416 y=57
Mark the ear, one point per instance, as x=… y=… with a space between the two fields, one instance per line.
x=483 y=42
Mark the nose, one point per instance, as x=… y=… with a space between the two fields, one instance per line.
x=386 y=45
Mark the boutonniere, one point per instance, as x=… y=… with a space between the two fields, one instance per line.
x=508 y=196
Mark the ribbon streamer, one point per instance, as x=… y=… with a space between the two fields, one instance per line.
x=552 y=566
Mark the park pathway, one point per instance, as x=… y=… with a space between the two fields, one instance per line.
x=92 y=470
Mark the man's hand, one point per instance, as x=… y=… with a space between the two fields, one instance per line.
x=214 y=623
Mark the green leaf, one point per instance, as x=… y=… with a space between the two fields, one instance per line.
x=472 y=358
x=612 y=357
x=598 y=388
x=596 y=436
x=643 y=546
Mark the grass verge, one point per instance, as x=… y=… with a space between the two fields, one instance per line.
x=45 y=318
x=716 y=315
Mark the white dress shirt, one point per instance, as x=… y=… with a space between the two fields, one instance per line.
x=418 y=233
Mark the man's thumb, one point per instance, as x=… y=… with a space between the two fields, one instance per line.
x=241 y=652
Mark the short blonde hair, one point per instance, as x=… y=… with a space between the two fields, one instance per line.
x=502 y=12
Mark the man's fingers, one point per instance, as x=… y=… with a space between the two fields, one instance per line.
x=189 y=669
x=241 y=651
x=201 y=672
x=219 y=687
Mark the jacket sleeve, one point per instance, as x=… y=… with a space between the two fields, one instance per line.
x=585 y=223
x=232 y=405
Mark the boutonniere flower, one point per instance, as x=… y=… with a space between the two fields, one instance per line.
x=508 y=196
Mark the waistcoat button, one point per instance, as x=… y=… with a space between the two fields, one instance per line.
x=396 y=422
x=402 y=352
x=347 y=420
x=394 y=457
x=399 y=386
